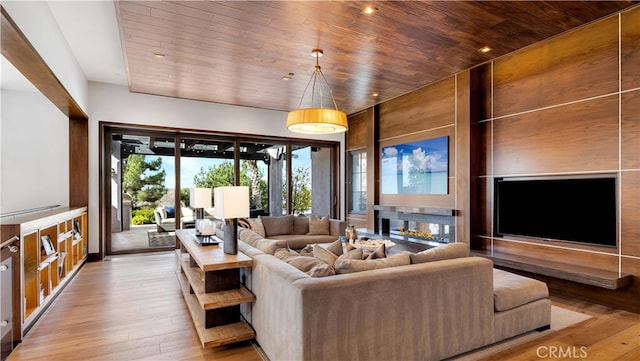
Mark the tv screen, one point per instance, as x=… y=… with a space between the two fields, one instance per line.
x=568 y=209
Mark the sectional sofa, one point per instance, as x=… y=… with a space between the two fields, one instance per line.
x=294 y=231
x=426 y=306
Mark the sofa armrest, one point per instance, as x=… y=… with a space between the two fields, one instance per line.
x=337 y=227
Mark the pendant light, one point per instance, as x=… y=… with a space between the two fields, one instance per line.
x=317 y=119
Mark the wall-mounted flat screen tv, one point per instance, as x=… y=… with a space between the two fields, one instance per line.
x=416 y=168
x=574 y=209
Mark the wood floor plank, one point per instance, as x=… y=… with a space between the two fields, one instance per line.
x=131 y=308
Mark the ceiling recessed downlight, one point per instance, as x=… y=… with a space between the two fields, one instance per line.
x=368 y=10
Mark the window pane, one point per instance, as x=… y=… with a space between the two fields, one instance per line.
x=204 y=163
x=358 y=190
x=254 y=173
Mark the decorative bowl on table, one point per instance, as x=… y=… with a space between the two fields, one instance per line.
x=373 y=244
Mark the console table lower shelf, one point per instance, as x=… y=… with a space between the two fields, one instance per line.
x=209 y=281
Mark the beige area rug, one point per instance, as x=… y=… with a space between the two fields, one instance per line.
x=161 y=239
x=560 y=318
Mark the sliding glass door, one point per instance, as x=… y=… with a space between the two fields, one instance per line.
x=153 y=171
x=142 y=187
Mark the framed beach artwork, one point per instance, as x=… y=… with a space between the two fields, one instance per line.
x=420 y=167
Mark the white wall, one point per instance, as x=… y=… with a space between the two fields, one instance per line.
x=34 y=152
x=35 y=20
x=113 y=103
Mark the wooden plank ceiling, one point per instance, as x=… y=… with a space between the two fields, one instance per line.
x=236 y=52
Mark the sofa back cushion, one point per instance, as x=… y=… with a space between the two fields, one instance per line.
x=447 y=251
x=276 y=225
x=246 y=235
x=300 y=225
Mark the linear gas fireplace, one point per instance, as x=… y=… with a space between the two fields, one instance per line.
x=430 y=226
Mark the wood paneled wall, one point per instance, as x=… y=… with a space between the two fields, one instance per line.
x=568 y=105
x=440 y=109
x=429 y=112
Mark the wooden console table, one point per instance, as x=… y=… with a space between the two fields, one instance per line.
x=210 y=282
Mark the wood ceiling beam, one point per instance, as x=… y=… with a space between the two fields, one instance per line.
x=17 y=49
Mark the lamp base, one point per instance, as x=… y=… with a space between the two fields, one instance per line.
x=230 y=241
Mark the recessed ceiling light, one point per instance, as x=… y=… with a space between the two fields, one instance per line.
x=485 y=49
x=159 y=55
x=368 y=10
x=287 y=77
x=375 y=94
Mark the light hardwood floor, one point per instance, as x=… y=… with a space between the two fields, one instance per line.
x=130 y=308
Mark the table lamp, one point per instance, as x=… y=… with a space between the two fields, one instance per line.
x=199 y=198
x=231 y=203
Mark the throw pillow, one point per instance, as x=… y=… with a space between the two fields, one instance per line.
x=319 y=226
x=335 y=247
x=277 y=225
x=380 y=252
x=344 y=265
x=311 y=266
x=171 y=211
x=257 y=226
x=355 y=253
x=324 y=255
x=244 y=223
x=447 y=251
x=307 y=251
x=285 y=253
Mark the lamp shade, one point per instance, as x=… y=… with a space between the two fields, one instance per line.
x=317 y=121
x=200 y=197
x=231 y=202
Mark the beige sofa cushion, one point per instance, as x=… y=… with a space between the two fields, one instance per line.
x=274 y=226
x=268 y=246
x=335 y=248
x=324 y=255
x=380 y=252
x=246 y=235
x=309 y=265
x=345 y=265
x=511 y=290
x=447 y=251
x=319 y=225
x=300 y=225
